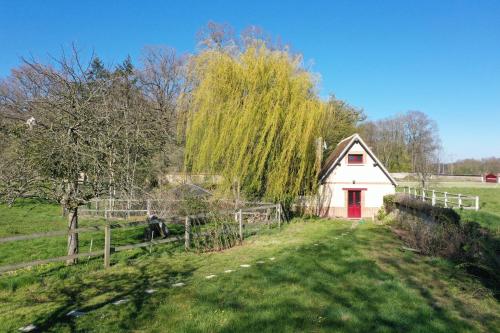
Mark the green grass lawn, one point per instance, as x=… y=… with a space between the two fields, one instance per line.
x=489 y=201
x=33 y=216
x=29 y=216
x=320 y=281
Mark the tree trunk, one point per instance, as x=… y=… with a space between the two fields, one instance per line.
x=63 y=211
x=72 y=238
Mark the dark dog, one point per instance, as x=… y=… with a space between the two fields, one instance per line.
x=156 y=228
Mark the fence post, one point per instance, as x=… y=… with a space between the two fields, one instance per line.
x=278 y=208
x=187 y=232
x=433 y=197
x=151 y=242
x=423 y=194
x=240 y=222
x=459 y=200
x=446 y=199
x=128 y=209
x=477 y=203
x=416 y=193
x=148 y=207
x=107 y=245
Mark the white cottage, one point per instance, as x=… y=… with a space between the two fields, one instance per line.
x=353 y=182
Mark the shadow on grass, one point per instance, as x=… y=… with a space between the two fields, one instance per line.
x=360 y=282
x=123 y=286
x=305 y=292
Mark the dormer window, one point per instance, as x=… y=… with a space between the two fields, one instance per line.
x=355 y=158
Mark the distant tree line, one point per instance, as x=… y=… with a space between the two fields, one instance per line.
x=410 y=142
x=472 y=166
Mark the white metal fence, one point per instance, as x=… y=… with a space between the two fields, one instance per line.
x=445 y=199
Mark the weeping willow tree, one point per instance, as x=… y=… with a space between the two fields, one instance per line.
x=254 y=117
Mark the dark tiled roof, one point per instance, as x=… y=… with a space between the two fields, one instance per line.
x=337 y=152
x=334 y=155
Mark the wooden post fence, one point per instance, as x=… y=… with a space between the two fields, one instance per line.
x=128 y=209
x=448 y=199
x=107 y=245
x=187 y=232
x=240 y=222
x=108 y=250
x=278 y=208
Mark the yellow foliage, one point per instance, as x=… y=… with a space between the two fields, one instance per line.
x=254 y=116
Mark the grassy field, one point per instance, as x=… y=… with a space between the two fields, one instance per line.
x=33 y=216
x=324 y=277
x=489 y=201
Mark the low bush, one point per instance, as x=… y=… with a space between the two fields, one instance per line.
x=437 y=214
x=214 y=233
x=381 y=214
x=437 y=239
x=438 y=231
x=389 y=203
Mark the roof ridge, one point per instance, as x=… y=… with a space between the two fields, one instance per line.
x=348 y=138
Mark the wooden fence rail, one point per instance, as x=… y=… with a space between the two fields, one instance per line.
x=108 y=208
x=107 y=228
x=447 y=199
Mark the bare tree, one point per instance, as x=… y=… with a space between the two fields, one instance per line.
x=423 y=143
x=75 y=129
x=66 y=103
x=162 y=80
x=219 y=36
x=407 y=142
x=92 y=131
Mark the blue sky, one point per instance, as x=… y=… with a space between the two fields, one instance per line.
x=439 y=57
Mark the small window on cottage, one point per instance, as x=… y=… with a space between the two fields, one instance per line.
x=355 y=158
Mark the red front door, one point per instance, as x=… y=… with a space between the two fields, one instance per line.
x=354 y=204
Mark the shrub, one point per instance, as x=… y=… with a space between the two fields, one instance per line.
x=214 y=233
x=438 y=231
x=381 y=214
x=389 y=203
x=421 y=208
